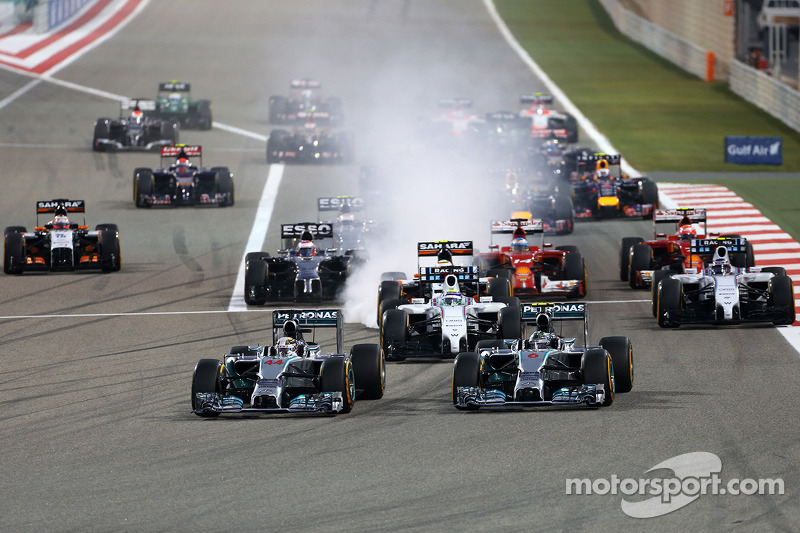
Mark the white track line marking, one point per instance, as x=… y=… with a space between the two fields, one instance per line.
x=244 y=309
x=601 y=140
x=258 y=232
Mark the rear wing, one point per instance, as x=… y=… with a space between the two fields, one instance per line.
x=308 y=320
x=536 y=98
x=457 y=248
x=174 y=86
x=461 y=103
x=613 y=159
x=335 y=203
x=143 y=104
x=49 y=206
x=696 y=215
x=558 y=312
x=318 y=230
x=180 y=151
x=304 y=84
x=507 y=227
x=708 y=246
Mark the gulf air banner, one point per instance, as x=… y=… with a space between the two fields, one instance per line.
x=743 y=150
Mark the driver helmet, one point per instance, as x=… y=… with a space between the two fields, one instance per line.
x=137 y=115
x=603 y=173
x=519 y=244
x=687 y=232
x=721 y=265
x=182 y=168
x=175 y=98
x=286 y=346
x=347 y=221
x=452 y=296
x=306 y=249
x=60 y=222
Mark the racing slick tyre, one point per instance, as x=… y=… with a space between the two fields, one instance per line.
x=597 y=369
x=14 y=253
x=112 y=227
x=393 y=276
x=466 y=374
x=564 y=210
x=108 y=250
x=204 y=118
x=658 y=275
x=669 y=296
x=206 y=378
x=649 y=193
x=744 y=259
x=625 y=246
x=101 y=130
x=575 y=268
x=388 y=290
x=255 y=281
x=502 y=273
x=277 y=104
x=225 y=185
x=369 y=371
x=336 y=375
x=622 y=358
x=14 y=229
x=510 y=319
x=499 y=288
x=275 y=143
x=142 y=185
x=386 y=305
x=781 y=294
x=572 y=128
x=778 y=271
x=169 y=131
x=394 y=327
x=641 y=259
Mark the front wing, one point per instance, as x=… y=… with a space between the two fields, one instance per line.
x=589 y=395
x=324 y=402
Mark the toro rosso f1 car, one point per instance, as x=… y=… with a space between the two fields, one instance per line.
x=302 y=272
x=61 y=244
x=182 y=182
x=721 y=293
x=546 y=369
x=291 y=375
x=137 y=130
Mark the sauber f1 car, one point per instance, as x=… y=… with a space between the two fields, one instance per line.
x=61 y=244
x=447 y=312
x=599 y=190
x=546 y=369
x=305 y=104
x=534 y=270
x=720 y=293
x=136 y=130
x=174 y=103
x=291 y=375
x=182 y=182
x=303 y=272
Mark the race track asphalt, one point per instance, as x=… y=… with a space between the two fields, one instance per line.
x=95 y=419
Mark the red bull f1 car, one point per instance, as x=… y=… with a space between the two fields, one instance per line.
x=600 y=190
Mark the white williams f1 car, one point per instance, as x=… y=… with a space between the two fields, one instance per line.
x=723 y=294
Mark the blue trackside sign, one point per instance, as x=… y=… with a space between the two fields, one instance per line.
x=754 y=150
